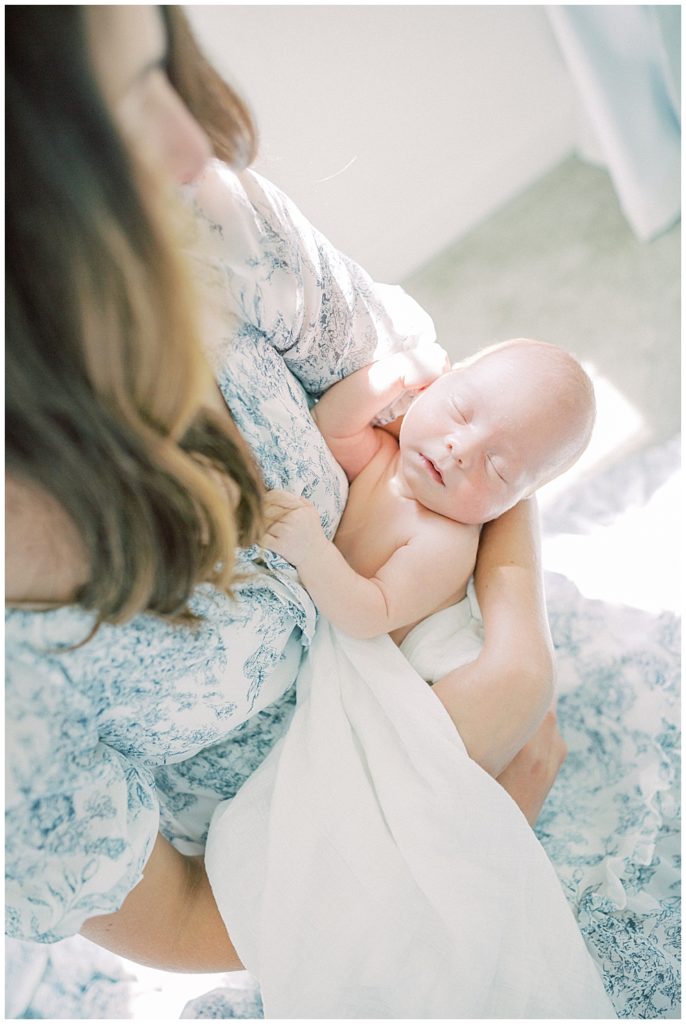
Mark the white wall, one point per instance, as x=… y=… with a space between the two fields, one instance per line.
x=438 y=114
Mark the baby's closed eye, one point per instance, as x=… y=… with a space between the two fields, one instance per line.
x=494 y=467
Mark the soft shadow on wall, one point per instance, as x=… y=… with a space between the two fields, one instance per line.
x=397 y=128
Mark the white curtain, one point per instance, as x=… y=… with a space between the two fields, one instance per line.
x=625 y=61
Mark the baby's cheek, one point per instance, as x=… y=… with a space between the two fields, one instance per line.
x=485 y=506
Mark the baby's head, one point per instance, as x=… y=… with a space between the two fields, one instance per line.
x=495 y=428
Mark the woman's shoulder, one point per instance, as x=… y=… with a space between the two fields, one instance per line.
x=45 y=561
x=249 y=224
x=220 y=184
x=226 y=201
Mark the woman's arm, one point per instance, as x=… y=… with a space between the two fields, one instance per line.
x=529 y=777
x=169 y=920
x=498 y=701
x=279 y=275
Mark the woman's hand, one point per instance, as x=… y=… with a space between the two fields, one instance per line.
x=530 y=775
x=499 y=700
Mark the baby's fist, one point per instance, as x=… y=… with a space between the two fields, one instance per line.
x=293 y=528
x=424 y=365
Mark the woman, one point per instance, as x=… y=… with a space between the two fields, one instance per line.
x=151 y=667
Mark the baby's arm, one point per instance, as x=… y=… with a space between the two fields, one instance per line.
x=421 y=575
x=344 y=413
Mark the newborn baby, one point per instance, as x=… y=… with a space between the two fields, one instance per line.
x=476 y=440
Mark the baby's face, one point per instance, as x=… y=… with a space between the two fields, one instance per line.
x=482 y=437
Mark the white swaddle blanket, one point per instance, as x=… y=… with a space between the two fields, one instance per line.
x=370 y=869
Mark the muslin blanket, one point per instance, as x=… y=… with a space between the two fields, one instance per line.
x=370 y=869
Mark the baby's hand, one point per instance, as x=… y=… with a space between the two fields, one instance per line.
x=423 y=366
x=293 y=530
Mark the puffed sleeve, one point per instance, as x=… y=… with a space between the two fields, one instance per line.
x=80 y=819
x=317 y=307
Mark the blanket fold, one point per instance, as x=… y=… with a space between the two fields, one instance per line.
x=370 y=869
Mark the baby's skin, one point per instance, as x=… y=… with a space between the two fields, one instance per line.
x=475 y=441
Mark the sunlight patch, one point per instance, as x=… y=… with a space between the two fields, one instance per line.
x=617 y=423
x=634 y=561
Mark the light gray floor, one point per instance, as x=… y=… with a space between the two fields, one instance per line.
x=560 y=263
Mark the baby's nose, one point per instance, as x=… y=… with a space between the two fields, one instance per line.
x=461 y=449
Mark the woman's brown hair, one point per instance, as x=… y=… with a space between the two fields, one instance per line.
x=105 y=375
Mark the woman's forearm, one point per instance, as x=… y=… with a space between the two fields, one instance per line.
x=169 y=920
x=498 y=701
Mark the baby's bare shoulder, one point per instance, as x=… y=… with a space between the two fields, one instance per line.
x=386 y=448
x=443 y=526
x=456 y=541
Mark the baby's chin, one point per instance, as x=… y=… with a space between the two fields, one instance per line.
x=474 y=514
x=477 y=516
x=467 y=517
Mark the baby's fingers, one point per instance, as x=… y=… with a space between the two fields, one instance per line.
x=272 y=535
x=276 y=503
x=286 y=499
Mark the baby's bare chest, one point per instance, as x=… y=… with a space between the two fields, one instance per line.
x=377 y=520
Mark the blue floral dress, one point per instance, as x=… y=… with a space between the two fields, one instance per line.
x=149 y=724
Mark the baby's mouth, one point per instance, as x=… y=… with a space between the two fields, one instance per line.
x=433 y=469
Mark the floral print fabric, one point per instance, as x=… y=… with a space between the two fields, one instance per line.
x=149 y=724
